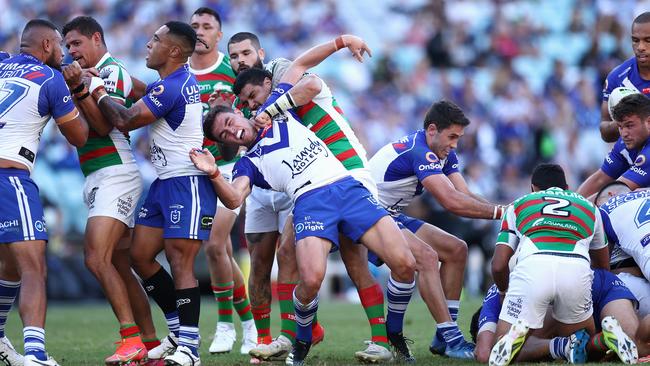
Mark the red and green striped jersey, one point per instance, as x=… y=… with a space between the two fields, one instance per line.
x=104 y=151
x=554 y=220
x=217 y=78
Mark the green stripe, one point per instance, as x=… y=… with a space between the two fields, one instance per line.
x=375 y=311
x=558 y=247
x=94 y=165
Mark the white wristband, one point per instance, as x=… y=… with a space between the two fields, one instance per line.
x=282 y=104
x=95 y=83
x=102 y=97
x=494 y=214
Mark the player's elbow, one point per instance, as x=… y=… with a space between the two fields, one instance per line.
x=233 y=202
x=78 y=141
x=313 y=85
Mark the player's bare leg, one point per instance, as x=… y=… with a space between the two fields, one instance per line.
x=623 y=311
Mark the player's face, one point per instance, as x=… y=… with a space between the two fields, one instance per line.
x=55 y=57
x=234 y=129
x=641 y=43
x=208 y=30
x=443 y=141
x=81 y=48
x=243 y=55
x=253 y=96
x=633 y=131
x=158 y=48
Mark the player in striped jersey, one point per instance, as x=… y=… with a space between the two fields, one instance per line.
x=557 y=234
x=112 y=189
x=214 y=74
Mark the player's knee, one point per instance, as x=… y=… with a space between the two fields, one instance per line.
x=312 y=281
x=459 y=253
x=215 y=251
x=404 y=268
x=427 y=258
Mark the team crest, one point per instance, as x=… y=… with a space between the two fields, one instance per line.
x=431 y=157
x=158 y=90
x=105 y=72
x=640 y=160
x=175 y=216
x=91 y=196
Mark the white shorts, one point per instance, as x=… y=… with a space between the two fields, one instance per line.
x=114 y=191
x=640 y=288
x=539 y=281
x=226 y=172
x=266 y=211
x=364 y=176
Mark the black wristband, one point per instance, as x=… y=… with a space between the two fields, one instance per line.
x=79 y=99
x=78 y=89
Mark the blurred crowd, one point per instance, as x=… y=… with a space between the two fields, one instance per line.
x=528 y=74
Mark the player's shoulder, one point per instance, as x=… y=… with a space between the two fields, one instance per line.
x=406 y=143
x=622 y=70
x=4 y=55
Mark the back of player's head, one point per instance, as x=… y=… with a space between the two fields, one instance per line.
x=211 y=118
x=443 y=114
x=642 y=18
x=633 y=104
x=473 y=325
x=205 y=10
x=35 y=24
x=546 y=176
x=253 y=76
x=85 y=25
x=242 y=36
x=610 y=190
x=185 y=34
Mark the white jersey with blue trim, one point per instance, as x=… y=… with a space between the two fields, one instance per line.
x=176 y=102
x=30 y=93
x=626 y=219
x=399 y=168
x=288 y=157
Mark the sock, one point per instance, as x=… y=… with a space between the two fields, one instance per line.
x=189 y=309
x=304 y=317
x=398 y=296
x=223 y=295
x=372 y=300
x=8 y=292
x=557 y=347
x=287 y=316
x=35 y=342
x=453 y=306
x=129 y=330
x=450 y=333
x=160 y=287
x=241 y=303
x=599 y=342
x=262 y=317
x=151 y=343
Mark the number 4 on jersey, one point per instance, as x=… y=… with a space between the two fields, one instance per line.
x=643 y=215
x=11 y=92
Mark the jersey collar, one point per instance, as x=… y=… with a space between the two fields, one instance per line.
x=101 y=61
x=207 y=69
x=31 y=57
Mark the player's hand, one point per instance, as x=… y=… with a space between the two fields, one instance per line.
x=203 y=161
x=222 y=98
x=357 y=46
x=90 y=72
x=262 y=120
x=72 y=74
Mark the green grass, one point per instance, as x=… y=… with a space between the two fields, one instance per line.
x=84 y=334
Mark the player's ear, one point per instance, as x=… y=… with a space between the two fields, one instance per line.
x=432 y=129
x=238 y=112
x=261 y=53
x=97 y=38
x=268 y=83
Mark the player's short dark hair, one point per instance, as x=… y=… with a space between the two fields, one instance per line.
x=211 y=117
x=473 y=325
x=253 y=76
x=443 y=114
x=242 y=36
x=185 y=33
x=642 y=18
x=85 y=25
x=205 y=10
x=616 y=183
x=39 y=23
x=547 y=175
x=633 y=104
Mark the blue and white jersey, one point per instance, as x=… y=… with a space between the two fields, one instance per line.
x=627 y=75
x=288 y=157
x=176 y=102
x=630 y=164
x=30 y=93
x=626 y=219
x=399 y=168
x=4 y=55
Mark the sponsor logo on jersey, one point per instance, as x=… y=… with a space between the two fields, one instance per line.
x=124 y=205
x=9 y=223
x=92 y=196
x=40 y=226
x=432 y=166
x=309 y=225
x=143 y=213
x=206 y=222
x=640 y=160
x=66 y=98
x=543 y=221
x=157 y=155
x=180 y=302
x=306 y=157
x=157 y=90
x=645 y=240
x=431 y=157
x=608 y=159
x=638 y=171
x=514 y=307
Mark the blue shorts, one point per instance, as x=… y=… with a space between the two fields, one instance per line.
x=21 y=212
x=491 y=308
x=182 y=206
x=607 y=288
x=345 y=206
x=408 y=222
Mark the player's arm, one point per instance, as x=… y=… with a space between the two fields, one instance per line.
x=507 y=242
x=232 y=195
x=594 y=183
x=458 y=202
x=71 y=123
x=124 y=119
x=460 y=184
x=598 y=249
x=74 y=128
x=608 y=128
x=138 y=89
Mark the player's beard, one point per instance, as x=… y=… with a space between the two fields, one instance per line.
x=53 y=62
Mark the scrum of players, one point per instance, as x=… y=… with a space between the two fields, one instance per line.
x=570 y=268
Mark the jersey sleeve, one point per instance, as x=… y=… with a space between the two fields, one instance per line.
x=507 y=233
x=638 y=173
x=160 y=98
x=55 y=97
x=117 y=81
x=424 y=163
x=599 y=239
x=245 y=167
x=614 y=164
x=451 y=164
x=610 y=84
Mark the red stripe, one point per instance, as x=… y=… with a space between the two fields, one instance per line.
x=34 y=75
x=225 y=311
x=288 y=316
x=127 y=332
x=338 y=109
x=371 y=296
x=224 y=298
x=244 y=310
x=321 y=123
x=97 y=153
x=586 y=211
x=211 y=77
x=346 y=154
x=120 y=85
x=221 y=289
x=528 y=204
x=304 y=109
x=377 y=339
x=291 y=333
x=335 y=137
x=529 y=219
x=240 y=292
x=552 y=228
x=376 y=321
x=263 y=332
x=552 y=239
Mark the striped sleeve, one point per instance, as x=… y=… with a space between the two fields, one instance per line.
x=507 y=234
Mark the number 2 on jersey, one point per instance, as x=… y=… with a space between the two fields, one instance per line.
x=11 y=92
x=554 y=207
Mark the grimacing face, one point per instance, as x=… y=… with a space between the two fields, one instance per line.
x=244 y=55
x=233 y=128
x=253 y=96
x=81 y=48
x=208 y=30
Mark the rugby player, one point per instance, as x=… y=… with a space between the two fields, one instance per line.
x=558 y=235
x=627 y=161
x=177 y=212
x=214 y=74
x=34 y=91
x=633 y=73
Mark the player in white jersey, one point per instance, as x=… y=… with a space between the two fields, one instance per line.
x=286 y=156
x=177 y=213
x=32 y=91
